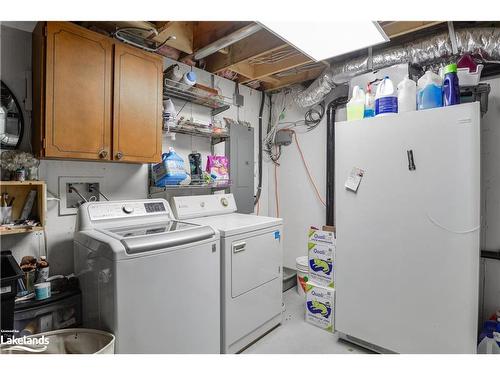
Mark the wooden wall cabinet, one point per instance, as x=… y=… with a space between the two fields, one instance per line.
x=94 y=98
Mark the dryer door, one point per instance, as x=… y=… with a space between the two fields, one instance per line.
x=256 y=259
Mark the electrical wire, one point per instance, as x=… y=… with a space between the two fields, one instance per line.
x=312 y=118
x=276 y=192
x=307 y=169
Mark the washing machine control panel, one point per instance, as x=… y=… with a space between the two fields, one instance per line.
x=117 y=210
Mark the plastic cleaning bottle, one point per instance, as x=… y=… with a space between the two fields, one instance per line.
x=488 y=345
x=356 y=106
x=170 y=171
x=369 y=102
x=429 y=91
x=169 y=114
x=451 y=87
x=407 y=95
x=189 y=78
x=386 y=99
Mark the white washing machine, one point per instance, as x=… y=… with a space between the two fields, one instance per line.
x=251 y=266
x=151 y=280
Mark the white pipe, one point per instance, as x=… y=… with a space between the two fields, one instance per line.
x=227 y=41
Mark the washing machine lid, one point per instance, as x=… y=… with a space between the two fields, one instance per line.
x=157 y=236
x=235 y=223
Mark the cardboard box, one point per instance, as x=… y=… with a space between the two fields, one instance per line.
x=321 y=256
x=320 y=306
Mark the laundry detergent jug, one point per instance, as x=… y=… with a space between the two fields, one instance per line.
x=386 y=99
x=170 y=171
x=407 y=96
x=430 y=91
x=356 y=106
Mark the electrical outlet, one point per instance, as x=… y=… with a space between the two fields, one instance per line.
x=73 y=191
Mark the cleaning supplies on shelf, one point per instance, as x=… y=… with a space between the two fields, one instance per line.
x=195 y=167
x=169 y=114
x=369 y=102
x=407 y=95
x=469 y=71
x=218 y=167
x=170 y=171
x=189 y=78
x=356 y=106
x=386 y=100
x=451 y=88
x=429 y=91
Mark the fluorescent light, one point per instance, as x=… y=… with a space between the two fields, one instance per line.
x=322 y=40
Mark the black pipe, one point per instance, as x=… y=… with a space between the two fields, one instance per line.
x=330 y=157
x=259 y=185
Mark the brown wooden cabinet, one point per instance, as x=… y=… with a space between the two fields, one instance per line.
x=137 y=104
x=94 y=98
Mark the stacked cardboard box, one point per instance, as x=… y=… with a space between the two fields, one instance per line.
x=320 y=292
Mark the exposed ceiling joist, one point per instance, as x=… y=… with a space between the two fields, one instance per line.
x=260 y=42
x=397 y=28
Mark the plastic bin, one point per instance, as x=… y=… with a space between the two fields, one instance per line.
x=10 y=274
x=67 y=341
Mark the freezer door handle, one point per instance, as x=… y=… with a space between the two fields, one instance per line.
x=411 y=161
x=239 y=246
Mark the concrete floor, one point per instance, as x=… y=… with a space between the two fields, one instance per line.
x=295 y=336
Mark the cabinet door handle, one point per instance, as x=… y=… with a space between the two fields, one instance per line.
x=119 y=155
x=103 y=154
x=237 y=247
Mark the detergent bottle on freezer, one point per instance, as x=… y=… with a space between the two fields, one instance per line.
x=430 y=91
x=407 y=95
x=386 y=99
x=369 y=101
x=356 y=106
x=451 y=88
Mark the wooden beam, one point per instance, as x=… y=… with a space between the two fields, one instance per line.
x=257 y=44
x=397 y=28
x=206 y=32
x=183 y=31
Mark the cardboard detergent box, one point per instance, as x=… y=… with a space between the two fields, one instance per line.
x=321 y=255
x=320 y=304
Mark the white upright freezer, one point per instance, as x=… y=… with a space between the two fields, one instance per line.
x=407 y=261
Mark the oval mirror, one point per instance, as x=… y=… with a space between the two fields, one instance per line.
x=11 y=119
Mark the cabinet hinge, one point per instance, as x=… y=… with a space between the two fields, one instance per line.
x=45 y=30
x=44 y=143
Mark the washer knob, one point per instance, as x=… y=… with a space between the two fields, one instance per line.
x=224 y=202
x=128 y=209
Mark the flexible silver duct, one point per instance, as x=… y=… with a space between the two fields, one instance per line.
x=425 y=51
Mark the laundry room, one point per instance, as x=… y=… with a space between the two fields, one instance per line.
x=231 y=184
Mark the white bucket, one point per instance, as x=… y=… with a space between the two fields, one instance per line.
x=302 y=274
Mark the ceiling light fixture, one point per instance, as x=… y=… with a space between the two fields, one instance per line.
x=322 y=40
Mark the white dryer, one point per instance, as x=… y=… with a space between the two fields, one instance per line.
x=251 y=266
x=151 y=280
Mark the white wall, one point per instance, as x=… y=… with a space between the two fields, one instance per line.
x=121 y=181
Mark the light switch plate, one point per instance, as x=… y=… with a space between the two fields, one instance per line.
x=77 y=180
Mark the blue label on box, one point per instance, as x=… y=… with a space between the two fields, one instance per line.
x=277 y=235
x=388 y=104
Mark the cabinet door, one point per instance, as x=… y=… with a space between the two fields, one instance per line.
x=78 y=93
x=137 y=105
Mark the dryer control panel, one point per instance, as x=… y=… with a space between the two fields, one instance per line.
x=203 y=205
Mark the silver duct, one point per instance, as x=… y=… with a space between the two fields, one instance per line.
x=425 y=51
